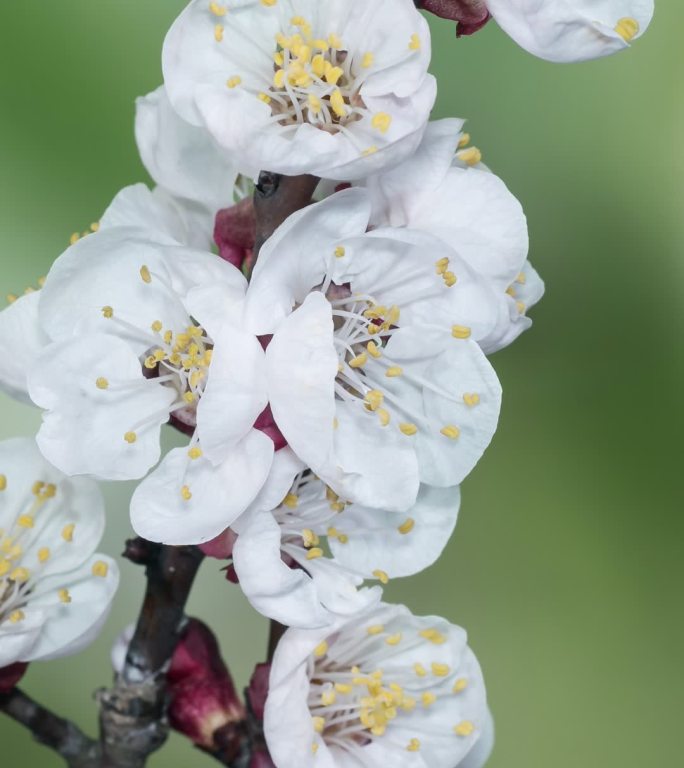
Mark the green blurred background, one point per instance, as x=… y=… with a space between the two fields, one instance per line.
x=566 y=565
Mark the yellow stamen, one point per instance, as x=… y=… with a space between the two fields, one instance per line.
x=68 y=532
x=340 y=251
x=101 y=383
x=186 y=494
x=234 y=81
x=321 y=649
x=381 y=576
x=464 y=141
x=464 y=728
x=218 y=10
x=3 y=482
x=413 y=745
x=394 y=371
x=433 y=635
x=381 y=122
x=25 y=521
x=367 y=60
x=414 y=44
x=16 y=616
x=145 y=274
x=218 y=33
x=440 y=670
x=195 y=453
x=627 y=28
x=428 y=698
x=460 y=331
x=407 y=526
x=100 y=569
x=64 y=596
x=460 y=685
x=376 y=629
x=107 y=312
x=408 y=428
x=130 y=437
x=419 y=669
x=359 y=361
x=318 y=724
x=470 y=156
x=471 y=399
x=393 y=639
x=43 y=554
x=450 y=431
x=291 y=501
x=314 y=553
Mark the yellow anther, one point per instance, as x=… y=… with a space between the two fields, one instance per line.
x=328 y=698
x=433 y=635
x=314 y=103
x=376 y=629
x=333 y=75
x=370 y=151
x=627 y=28
x=20 y=574
x=50 y=491
x=414 y=43
x=64 y=596
x=440 y=670
x=336 y=422
x=29 y=290
x=381 y=576
x=314 y=748
x=321 y=649
x=450 y=431
x=25 y=521
x=43 y=554
x=74 y=238
x=318 y=724
x=464 y=728
x=374 y=399
x=314 y=553
x=460 y=685
x=460 y=331
x=394 y=371
x=68 y=532
x=100 y=569
x=279 y=78
x=335 y=42
x=101 y=383
x=442 y=265
x=168 y=337
x=393 y=315
x=359 y=361
x=408 y=429
x=218 y=33
x=278 y=59
x=419 y=669
x=521 y=278
x=407 y=526
x=373 y=350
x=189 y=397
x=381 y=122
x=383 y=416
x=338 y=506
x=145 y=274
x=5 y=565
x=428 y=698
x=318 y=65
x=195 y=453
x=450 y=279
x=521 y=307
x=332 y=533
x=343 y=688
x=340 y=251
x=471 y=399
x=234 y=81
x=337 y=103
x=291 y=501
x=218 y=10
x=16 y=616
x=130 y=437
x=185 y=493
x=367 y=60
x=393 y=639
x=470 y=156
x=3 y=482
x=107 y=312
x=309 y=538
x=37 y=488
x=269 y=3
x=157 y=326
x=264 y=97
x=510 y=291
x=11 y=298
x=464 y=141
x=413 y=745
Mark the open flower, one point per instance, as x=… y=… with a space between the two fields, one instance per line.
x=55 y=593
x=444 y=189
x=556 y=30
x=144 y=330
x=301 y=561
x=373 y=372
x=303 y=86
x=382 y=688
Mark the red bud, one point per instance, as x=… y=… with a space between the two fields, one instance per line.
x=470 y=15
x=235 y=234
x=10 y=676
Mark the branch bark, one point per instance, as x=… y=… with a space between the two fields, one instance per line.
x=133 y=721
x=52 y=731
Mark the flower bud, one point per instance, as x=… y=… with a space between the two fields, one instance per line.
x=470 y=15
x=235 y=234
x=257 y=692
x=11 y=675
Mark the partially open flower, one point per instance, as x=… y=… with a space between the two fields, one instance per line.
x=303 y=87
x=144 y=329
x=383 y=688
x=374 y=375
x=55 y=593
x=302 y=561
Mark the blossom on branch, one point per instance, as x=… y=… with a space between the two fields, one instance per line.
x=335 y=89
x=382 y=688
x=374 y=374
x=55 y=594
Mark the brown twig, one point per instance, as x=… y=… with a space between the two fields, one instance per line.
x=275 y=198
x=133 y=721
x=52 y=731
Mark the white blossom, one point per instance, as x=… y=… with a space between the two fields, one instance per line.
x=55 y=594
x=143 y=329
x=336 y=89
x=572 y=30
x=445 y=190
x=301 y=552
x=381 y=688
x=374 y=375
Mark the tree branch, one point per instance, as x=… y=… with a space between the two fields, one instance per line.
x=275 y=198
x=52 y=731
x=133 y=721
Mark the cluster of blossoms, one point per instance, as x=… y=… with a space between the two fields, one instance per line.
x=334 y=385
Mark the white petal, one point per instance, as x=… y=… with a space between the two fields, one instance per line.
x=83 y=428
x=235 y=394
x=297 y=256
x=375 y=541
x=181 y=157
x=571 y=30
x=159 y=511
x=22 y=339
x=70 y=627
x=17 y=640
